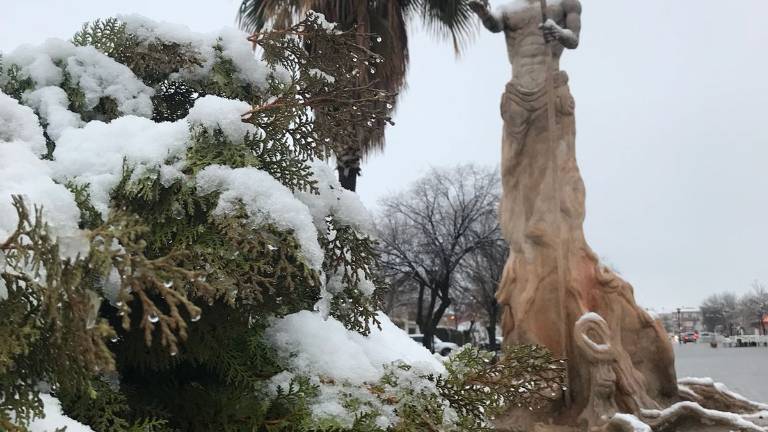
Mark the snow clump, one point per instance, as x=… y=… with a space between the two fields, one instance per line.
x=23 y=173
x=96 y=154
x=266 y=200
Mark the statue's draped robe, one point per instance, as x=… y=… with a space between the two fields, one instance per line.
x=529 y=292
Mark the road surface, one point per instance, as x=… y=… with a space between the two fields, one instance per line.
x=743 y=370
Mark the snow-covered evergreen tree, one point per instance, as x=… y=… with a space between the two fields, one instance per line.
x=176 y=254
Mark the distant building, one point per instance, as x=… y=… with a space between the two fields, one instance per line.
x=690 y=319
x=684 y=319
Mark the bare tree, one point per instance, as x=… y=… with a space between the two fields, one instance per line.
x=427 y=231
x=479 y=276
x=728 y=312
x=719 y=312
x=754 y=305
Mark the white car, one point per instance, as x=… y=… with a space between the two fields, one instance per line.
x=442 y=348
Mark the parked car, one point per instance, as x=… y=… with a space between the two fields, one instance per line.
x=707 y=337
x=443 y=348
x=690 y=337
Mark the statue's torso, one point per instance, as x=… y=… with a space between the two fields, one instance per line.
x=525 y=42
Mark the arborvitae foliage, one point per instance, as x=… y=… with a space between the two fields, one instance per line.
x=158 y=323
x=15 y=85
x=350 y=255
x=54 y=330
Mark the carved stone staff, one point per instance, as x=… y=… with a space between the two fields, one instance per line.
x=555 y=147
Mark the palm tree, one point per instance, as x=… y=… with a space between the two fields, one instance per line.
x=387 y=20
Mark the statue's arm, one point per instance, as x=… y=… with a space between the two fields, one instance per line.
x=569 y=38
x=490 y=22
x=566 y=35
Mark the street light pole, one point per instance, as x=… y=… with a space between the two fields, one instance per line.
x=679 y=327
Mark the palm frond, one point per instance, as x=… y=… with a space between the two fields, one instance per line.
x=448 y=19
x=387 y=20
x=257 y=15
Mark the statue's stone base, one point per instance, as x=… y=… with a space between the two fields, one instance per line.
x=706 y=406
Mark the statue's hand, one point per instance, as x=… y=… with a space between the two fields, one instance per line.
x=552 y=31
x=480 y=7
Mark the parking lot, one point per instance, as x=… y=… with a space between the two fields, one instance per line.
x=743 y=370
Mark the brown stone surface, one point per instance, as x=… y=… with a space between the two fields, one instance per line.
x=552 y=277
x=715 y=396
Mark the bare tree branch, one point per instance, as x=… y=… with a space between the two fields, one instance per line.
x=428 y=231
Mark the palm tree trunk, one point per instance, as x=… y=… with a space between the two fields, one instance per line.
x=348 y=177
x=348 y=158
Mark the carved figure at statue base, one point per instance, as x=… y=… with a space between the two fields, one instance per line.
x=554 y=291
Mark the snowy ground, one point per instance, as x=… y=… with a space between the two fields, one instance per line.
x=743 y=370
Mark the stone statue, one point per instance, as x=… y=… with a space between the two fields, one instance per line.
x=532 y=152
x=554 y=290
x=552 y=277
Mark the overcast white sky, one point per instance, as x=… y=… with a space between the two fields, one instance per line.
x=671 y=115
